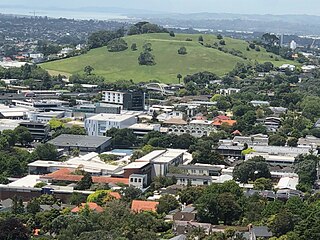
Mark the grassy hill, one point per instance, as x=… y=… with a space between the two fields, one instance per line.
x=124 y=65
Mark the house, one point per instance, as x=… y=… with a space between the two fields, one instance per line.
x=140 y=206
x=259 y=139
x=202 y=169
x=90 y=205
x=288 y=183
x=129 y=100
x=188 y=213
x=257 y=232
x=228 y=91
x=220 y=120
x=256 y=103
x=194 y=180
x=141 y=169
x=185 y=227
x=83 y=143
x=277 y=111
x=289 y=67
x=99 y=124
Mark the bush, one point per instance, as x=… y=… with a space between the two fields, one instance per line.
x=182 y=51
x=222 y=42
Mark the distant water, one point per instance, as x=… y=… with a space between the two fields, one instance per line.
x=65 y=14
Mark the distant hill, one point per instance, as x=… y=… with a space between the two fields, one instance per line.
x=124 y=65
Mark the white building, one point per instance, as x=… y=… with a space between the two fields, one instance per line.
x=287 y=66
x=113 y=97
x=99 y=124
x=293 y=45
x=141 y=129
x=36 y=55
x=229 y=91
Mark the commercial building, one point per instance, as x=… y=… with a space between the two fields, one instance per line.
x=39 y=131
x=98 y=108
x=99 y=124
x=90 y=163
x=129 y=100
x=141 y=129
x=82 y=143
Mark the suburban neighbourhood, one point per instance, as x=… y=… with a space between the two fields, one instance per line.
x=131 y=130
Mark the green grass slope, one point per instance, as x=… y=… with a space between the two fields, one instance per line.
x=124 y=65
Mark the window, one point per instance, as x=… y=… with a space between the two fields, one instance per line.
x=140 y=180
x=201 y=171
x=135 y=180
x=131 y=179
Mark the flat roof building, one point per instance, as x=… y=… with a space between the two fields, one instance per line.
x=83 y=143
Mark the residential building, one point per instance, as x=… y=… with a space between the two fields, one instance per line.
x=139 y=181
x=129 y=100
x=140 y=206
x=193 y=180
x=201 y=169
x=138 y=168
x=259 y=139
x=90 y=205
x=228 y=91
x=99 y=124
x=256 y=103
x=39 y=131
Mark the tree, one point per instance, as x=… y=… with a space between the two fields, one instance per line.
x=262 y=184
x=117 y=45
x=167 y=203
x=182 y=51
x=33 y=206
x=306 y=168
x=292 y=142
x=88 y=70
x=251 y=169
x=85 y=182
x=100 y=197
x=130 y=193
x=46 y=151
x=23 y=135
x=179 y=76
x=147 y=47
x=222 y=42
x=146 y=58
x=219 y=36
x=228 y=208
x=277 y=140
x=171 y=33
x=281 y=223
x=13 y=229
x=200 y=39
x=134 y=47
x=77 y=199
x=190 y=195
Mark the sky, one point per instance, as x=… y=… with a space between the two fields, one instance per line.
x=311 y=7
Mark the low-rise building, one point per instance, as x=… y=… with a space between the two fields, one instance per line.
x=82 y=143
x=141 y=129
x=129 y=100
x=39 y=131
x=99 y=124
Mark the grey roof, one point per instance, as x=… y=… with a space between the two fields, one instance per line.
x=189 y=176
x=230 y=147
x=7 y=203
x=200 y=167
x=69 y=140
x=262 y=231
x=180 y=237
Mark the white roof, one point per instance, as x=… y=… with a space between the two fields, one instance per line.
x=288 y=183
x=27 y=181
x=151 y=156
x=144 y=126
x=203 y=122
x=110 y=117
x=136 y=165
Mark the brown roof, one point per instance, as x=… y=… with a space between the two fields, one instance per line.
x=92 y=206
x=65 y=174
x=139 y=206
x=176 y=121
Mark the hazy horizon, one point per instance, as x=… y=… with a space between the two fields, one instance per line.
x=275 y=7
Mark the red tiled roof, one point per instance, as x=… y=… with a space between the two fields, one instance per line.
x=116 y=195
x=65 y=174
x=220 y=122
x=139 y=206
x=92 y=206
x=222 y=117
x=236 y=132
